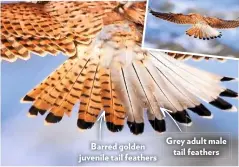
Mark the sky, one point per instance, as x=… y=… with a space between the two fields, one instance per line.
x=172 y=36
x=27 y=141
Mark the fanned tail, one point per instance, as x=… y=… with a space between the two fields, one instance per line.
x=203 y=31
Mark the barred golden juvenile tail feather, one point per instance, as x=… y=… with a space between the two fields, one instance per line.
x=115 y=112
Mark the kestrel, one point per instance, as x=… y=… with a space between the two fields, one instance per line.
x=106 y=70
x=203 y=27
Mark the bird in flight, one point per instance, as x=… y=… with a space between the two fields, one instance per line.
x=203 y=27
x=106 y=69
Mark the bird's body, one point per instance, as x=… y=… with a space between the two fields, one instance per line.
x=107 y=69
x=203 y=27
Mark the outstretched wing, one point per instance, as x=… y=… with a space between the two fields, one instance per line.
x=222 y=24
x=49 y=28
x=174 y=17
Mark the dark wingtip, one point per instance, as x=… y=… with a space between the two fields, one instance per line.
x=227 y=79
x=51 y=118
x=136 y=128
x=229 y=93
x=158 y=125
x=28 y=98
x=201 y=110
x=181 y=117
x=152 y=11
x=221 y=104
x=84 y=125
x=114 y=128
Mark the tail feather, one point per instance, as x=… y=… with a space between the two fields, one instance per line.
x=229 y=93
x=201 y=110
x=123 y=80
x=196 y=33
x=135 y=117
x=182 y=117
x=51 y=98
x=50 y=81
x=115 y=112
x=190 y=32
x=149 y=89
x=90 y=105
x=68 y=97
x=158 y=125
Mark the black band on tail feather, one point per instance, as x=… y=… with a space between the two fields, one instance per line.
x=181 y=117
x=136 y=128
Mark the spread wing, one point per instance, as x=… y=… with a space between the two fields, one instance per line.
x=136 y=12
x=174 y=17
x=49 y=28
x=222 y=24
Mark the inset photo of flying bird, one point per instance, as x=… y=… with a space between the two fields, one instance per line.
x=207 y=30
x=203 y=27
